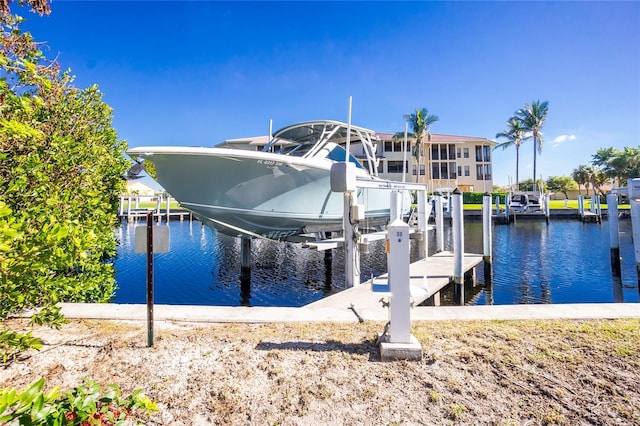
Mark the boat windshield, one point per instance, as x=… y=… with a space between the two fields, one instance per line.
x=326 y=139
x=331 y=151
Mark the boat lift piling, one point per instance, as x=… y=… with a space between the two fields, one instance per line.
x=614 y=233
x=458 y=246
x=634 y=200
x=423 y=238
x=439 y=224
x=486 y=231
x=245 y=264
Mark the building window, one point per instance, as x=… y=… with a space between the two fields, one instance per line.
x=394 y=167
x=479 y=172
x=478 y=153
x=487 y=171
x=435 y=171
x=388 y=146
x=458 y=153
x=397 y=146
x=434 y=152
x=452 y=152
x=452 y=170
x=487 y=153
x=465 y=152
x=467 y=171
x=443 y=152
x=459 y=170
x=444 y=171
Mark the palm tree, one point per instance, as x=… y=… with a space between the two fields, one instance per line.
x=420 y=121
x=514 y=135
x=583 y=175
x=533 y=117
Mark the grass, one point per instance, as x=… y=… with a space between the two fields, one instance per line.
x=553 y=204
x=173 y=205
x=551 y=372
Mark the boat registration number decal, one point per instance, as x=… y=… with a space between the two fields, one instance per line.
x=269 y=163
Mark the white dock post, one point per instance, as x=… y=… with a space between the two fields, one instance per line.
x=128 y=208
x=423 y=250
x=168 y=207
x=507 y=206
x=439 y=224
x=633 y=186
x=158 y=201
x=581 y=206
x=486 y=231
x=497 y=205
x=545 y=206
x=614 y=233
x=352 y=252
x=121 y=205
x=458 y=246
x=400 y=343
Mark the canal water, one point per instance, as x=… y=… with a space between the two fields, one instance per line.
x=565 y=261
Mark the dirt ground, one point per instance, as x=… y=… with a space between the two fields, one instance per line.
x=475 y=372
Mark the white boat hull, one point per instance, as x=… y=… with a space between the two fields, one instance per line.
x=242 y=192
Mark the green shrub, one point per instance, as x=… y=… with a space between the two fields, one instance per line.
x=61 y=172
x=85 y=404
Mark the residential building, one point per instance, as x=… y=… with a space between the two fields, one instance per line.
x=447 y=162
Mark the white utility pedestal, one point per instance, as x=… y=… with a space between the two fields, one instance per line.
x=399 y=343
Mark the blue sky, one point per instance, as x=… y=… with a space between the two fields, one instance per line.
x=196 y=73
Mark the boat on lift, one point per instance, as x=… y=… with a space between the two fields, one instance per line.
x=525 y=202
x=279 y=192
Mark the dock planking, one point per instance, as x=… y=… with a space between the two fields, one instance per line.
x=368 y=304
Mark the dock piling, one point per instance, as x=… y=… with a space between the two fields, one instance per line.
x=634 y=200
x=458 y=246
x=614 y=233
x=439 y=224
x=486 y=230
x=422 y=224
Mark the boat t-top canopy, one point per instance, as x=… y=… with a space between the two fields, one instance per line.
x=306 y=139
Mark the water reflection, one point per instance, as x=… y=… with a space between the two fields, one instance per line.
x=563 y=262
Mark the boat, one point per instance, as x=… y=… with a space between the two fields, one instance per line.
x=284 y=190
x=525 y=202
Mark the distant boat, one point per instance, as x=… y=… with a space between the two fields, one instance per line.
x=525 y=202
x=272 y=194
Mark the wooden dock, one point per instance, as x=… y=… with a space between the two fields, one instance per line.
x=365 y=302
x=589 y=216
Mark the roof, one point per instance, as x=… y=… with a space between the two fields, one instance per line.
x=440 y=138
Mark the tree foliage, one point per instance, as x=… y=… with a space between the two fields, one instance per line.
x=419 y=121
x=562 y=184
x=618 y=165
x=60 y=176
x=532 y=117
x=586 y=175
x=514 y=135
